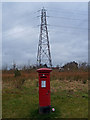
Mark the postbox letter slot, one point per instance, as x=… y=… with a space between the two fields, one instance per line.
x=43 y=77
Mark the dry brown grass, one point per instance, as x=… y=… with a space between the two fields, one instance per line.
x=72 y=80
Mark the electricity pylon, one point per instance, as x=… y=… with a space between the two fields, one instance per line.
x=44 y=55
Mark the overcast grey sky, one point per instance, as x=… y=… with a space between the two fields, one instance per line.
x=68 y=32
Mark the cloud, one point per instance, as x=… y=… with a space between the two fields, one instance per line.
x=21 y=34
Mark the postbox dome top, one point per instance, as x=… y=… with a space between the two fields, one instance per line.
x=44 y=70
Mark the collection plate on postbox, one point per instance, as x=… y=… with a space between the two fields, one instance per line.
x=43 y=83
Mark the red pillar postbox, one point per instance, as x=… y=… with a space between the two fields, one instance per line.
x=44 y=90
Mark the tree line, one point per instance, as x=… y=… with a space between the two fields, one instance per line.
x=70 y=66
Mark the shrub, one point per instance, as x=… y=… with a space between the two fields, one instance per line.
x=84 y=81
x=17 y=73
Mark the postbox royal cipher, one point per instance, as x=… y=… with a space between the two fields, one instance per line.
x=44 y=90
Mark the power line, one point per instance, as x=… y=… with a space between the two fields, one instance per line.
x=69 y=27
x=63 y=30
x=57 y=11
x=67 y=18
x=78 y=11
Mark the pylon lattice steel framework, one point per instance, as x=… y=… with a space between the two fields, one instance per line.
x=44 y=56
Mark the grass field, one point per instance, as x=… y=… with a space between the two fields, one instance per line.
x=69 y=95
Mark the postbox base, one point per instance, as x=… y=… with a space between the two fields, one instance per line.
x=44 y=110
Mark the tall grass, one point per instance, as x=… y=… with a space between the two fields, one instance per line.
x=69 y=95
x=55 y=74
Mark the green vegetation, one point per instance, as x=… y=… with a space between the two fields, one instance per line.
x=69 y=98
x=17 y=73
